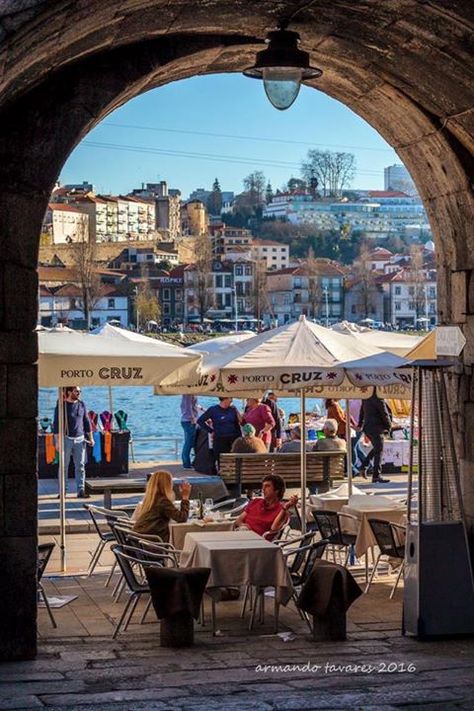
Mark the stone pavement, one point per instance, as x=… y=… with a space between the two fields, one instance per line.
x=80 y=667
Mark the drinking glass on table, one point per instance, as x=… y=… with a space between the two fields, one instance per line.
x=208 y=504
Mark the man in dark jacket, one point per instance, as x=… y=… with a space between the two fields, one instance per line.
x=77 y=433
x=374 y=420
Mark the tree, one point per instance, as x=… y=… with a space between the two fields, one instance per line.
x=86 y=276
x=334 y=171
x=417 y=279
x=296 y=184
x=365 y=283
x=315 y=291
x=268 y=193
x=203 y=275
x=164 y=264
x=254 y=186
x=147 y=306
x=259 y=291
x=214 y=201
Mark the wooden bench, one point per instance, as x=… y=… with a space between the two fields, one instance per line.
x=207 y=486
x=246 y=471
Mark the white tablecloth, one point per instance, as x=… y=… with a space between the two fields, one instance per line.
x=365 y=537
x=238 y=558
x=178 y=531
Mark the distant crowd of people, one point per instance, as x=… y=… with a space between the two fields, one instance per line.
x=222 y=428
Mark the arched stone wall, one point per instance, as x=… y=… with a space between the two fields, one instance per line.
x=406 y=67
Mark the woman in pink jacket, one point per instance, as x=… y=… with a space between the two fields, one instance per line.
x=261 y=418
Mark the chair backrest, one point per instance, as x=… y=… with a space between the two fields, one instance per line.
x=383 y=533
x=301 y=552
x=328 y=524
x=316 y=551
x=97 y=512
x=131 y=561
x=121 y=532
x=44 y=554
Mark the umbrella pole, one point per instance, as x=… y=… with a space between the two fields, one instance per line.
x=62 y=480
x=348 y=449
x=303 y=460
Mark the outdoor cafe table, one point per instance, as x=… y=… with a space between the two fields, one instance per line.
x=178 y=531
x=238 y=558
x=365 y=507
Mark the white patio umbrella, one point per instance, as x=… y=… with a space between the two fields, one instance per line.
x=398 y=343
x=299 y=358
x=112 y=357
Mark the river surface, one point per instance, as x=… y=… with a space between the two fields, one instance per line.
x=151 y=415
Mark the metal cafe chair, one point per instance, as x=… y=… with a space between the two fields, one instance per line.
x=44 y=554
x=329 y=526
x=390 y=541
x=105 y=538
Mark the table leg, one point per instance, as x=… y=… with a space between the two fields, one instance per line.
x=107 y=499
x=277 y=612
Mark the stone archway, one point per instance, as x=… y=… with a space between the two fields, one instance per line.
x=405 y=66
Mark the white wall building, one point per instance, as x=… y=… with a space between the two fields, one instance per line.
x=412 y=297
x=64 y=305
x=276 y=254
x=397 y=177
x=65 y=224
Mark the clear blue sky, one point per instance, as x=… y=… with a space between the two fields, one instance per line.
x=221 y=104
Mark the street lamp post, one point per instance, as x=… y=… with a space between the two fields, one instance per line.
x=137 y=315
x=236 y=307
x=326 y=299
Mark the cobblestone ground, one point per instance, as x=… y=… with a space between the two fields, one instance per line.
x=80 y=667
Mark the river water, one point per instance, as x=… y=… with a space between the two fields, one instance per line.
x=150 y=415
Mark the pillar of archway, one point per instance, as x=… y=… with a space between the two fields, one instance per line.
x=44 y=120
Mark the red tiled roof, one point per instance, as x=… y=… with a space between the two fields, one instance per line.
x=63 y=207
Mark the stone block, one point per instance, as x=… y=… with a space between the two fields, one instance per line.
x=18 y=441
x=18 y=347
x=22 y=391
x=459 y=296
x=18 y=558
x=20 y=496
x=20 y=295
x=3 y=391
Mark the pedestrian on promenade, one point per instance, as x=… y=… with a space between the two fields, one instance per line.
x=223 y=422
x=260 y=416
x=189 y=415
x=271 y=401
x=374 y=421
x=77 y=433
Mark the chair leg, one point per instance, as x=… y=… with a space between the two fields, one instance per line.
x=145 y=611
x=254 y=610
x=95 y=557
x=120 y=587
x=213 y=616
x=132 y=610
x=46 y=602
x=374 y=569
x=262 y=606
x=244 y=601
x=122 y=617
x=402 y=567
x=277 y=612
x=112 y=571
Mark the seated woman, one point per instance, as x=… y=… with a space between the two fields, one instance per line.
x=267 y=513
x=158 y=508
x=249 y=443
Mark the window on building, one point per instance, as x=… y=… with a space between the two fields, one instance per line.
x=398 y=307
x=297 y=282
x=219 y=279
x=166 y=295
x=178 y=295
x=248 y=271
x=228 y=299
x=238 y=270
x=353 y=309
x=398 y=290
x=166 y=309
x=432 y=292
x=411 y=290
x=227 y=281
x=179 y=309
x=111 y=303
x=72 y=304
x=411 y=305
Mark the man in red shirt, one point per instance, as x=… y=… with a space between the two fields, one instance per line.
x=267 y=513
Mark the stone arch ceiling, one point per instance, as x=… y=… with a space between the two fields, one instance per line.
x=403 y=65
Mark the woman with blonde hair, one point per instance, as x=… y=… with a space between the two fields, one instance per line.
x=158 y=508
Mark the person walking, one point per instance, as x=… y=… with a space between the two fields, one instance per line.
x=77 y=433
x=374 y=421
x=335 y=412
x=223 y=422
x=189 y=415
